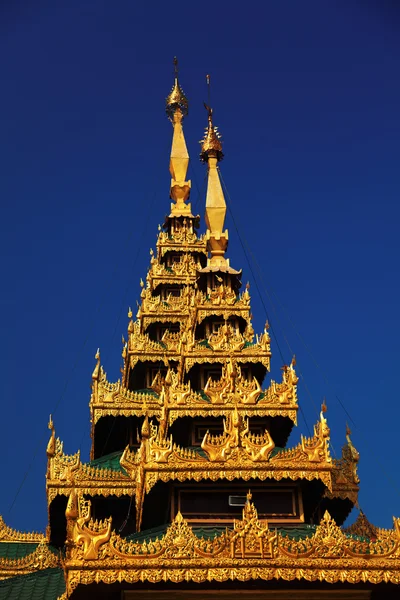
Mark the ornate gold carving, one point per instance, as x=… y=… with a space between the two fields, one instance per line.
x=226 y=339
x=211 y=144
x=176 y=98
x=84 y=536
x=232 y=386
x=114 y=399
x=362 y=528
x=8 y=534
x=285 y=392
x=316 y=448
x=252 y=538
x=40 y=558
x=345 y=478
x=236 y=454
x=248 y=551
x=237 y=439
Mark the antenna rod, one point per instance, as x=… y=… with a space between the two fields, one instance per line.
x=209 y=89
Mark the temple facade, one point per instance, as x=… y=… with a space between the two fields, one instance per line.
x=191 y=489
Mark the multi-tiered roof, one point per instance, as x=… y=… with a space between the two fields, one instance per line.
x=191 y=426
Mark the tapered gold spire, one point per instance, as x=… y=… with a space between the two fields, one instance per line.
x=177 y=108
x=217 y=238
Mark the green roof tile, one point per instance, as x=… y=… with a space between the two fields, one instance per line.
x=109 y=461
x=46 y=585
x=16 y=549
x=209 y=533
x=150 y=535
x=297 y=532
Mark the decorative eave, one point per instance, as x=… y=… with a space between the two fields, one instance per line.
x=247 y=456
x=65 y=472
x=181 y=242
x=186 y=267
x=194 y=306
x=184 y=348
x=345 y=477
x=41 y=557
x=8 y=534
x=179 y=400
x=249 y=551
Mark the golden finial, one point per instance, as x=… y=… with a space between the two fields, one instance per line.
x=176 y=99
x=130 y=313
x=96 y=371
x=211 y=143
x=51 y=445
x=72 y=510
x=145 y=428
x=348 y=430
x=324 y=407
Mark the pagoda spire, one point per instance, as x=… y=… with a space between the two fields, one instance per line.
x=177 y=108
x=217 y=238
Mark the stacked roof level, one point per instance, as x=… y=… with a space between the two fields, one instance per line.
x=190 y=426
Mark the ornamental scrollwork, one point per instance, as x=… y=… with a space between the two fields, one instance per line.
x=85 y=536
x=41 y=557
x=249 y=550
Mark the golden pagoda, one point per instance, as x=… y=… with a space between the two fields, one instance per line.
x=191 y=490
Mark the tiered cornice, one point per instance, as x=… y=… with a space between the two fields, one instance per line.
x=236 y=454
x=8 y=534
x=219 y=398
x=24 y=552
x=248 y=551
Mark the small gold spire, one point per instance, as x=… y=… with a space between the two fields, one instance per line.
x=177 y=108
x=211 y=145
x=176 y=99
x=217 y=238
x=145 y=428
x=96 y=371
x=51 y=446
x=72 y=510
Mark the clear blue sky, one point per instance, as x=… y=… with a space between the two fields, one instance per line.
x=307 y=97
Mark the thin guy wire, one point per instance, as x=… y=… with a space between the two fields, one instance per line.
x=69 y=377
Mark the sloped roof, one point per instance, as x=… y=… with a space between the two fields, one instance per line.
x=14 y=550
x=109 y=461
x=297 y=532
x=42 y=585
